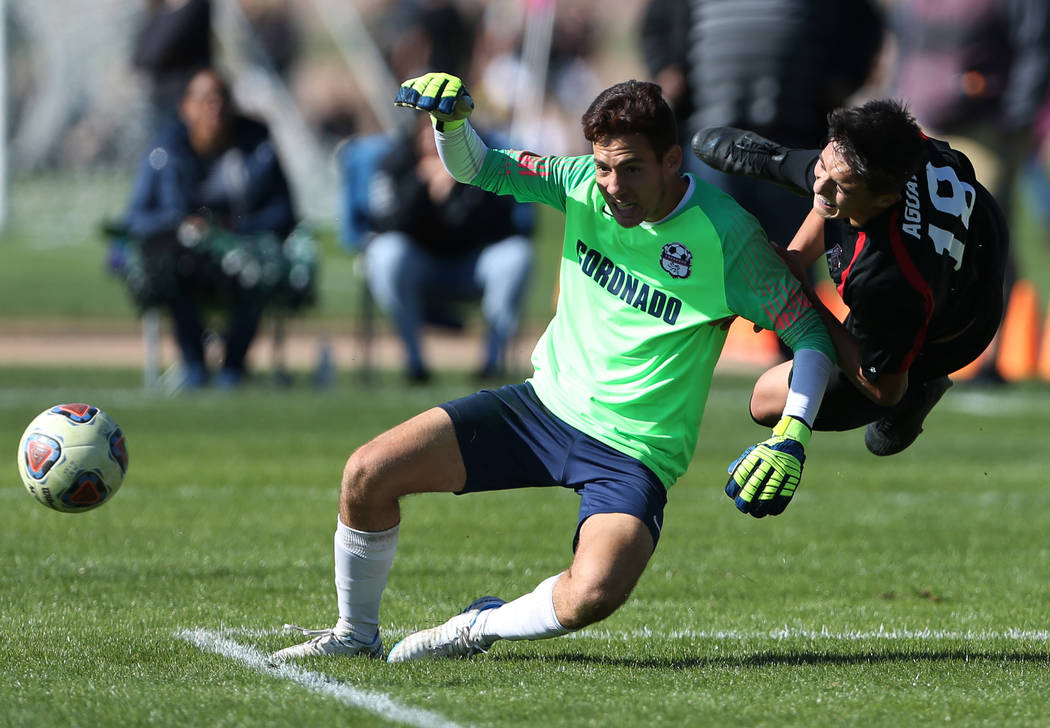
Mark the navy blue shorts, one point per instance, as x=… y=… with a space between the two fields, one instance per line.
x=509 y=439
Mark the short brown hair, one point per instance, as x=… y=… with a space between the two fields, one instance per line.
x=632 y=107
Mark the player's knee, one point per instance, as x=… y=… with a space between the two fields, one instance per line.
x=592 y=602
x=762 y=412
x=770 y=395
x=361 y=478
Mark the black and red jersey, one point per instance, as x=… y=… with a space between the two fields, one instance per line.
x=917 y=273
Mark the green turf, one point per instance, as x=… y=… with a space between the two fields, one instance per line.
x=906 y=591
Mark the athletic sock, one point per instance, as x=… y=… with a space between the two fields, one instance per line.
x=362 y=565
x=529 y=617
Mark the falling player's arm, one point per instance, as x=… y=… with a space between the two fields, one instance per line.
x=805 y=249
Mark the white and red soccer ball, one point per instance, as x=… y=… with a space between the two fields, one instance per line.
x=72 y=457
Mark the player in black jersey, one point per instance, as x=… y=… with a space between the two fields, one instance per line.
x=914 y=244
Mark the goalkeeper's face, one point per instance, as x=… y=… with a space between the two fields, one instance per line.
x=636 y=184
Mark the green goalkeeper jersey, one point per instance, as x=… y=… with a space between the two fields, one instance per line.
x=642 y=312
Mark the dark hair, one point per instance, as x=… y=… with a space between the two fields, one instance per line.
x=880 y=141
x=220 y=78
x=632 y=107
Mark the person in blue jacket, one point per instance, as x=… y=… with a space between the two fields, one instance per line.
x=210 y=180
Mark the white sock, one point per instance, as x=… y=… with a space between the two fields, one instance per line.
x=529 y=617
x=362 y=564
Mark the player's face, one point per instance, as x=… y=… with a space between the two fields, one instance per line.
x=635 y=184
x=840 y=194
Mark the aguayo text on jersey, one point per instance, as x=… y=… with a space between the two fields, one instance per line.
x=898 y=272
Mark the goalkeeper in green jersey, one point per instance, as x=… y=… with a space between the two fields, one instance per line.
x=653 y=267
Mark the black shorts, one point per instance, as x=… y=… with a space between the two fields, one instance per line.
x=844 y=407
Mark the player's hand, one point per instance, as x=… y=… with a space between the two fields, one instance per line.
x=442 y=95
x=765 y=476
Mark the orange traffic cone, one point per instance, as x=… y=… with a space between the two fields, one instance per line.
x=1043 y=367
x=744 y=344
x=1019 y=334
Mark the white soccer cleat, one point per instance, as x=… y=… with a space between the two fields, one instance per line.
x=451 y=639
x=327 y=642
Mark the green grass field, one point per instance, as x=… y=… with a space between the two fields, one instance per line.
x=906 y=591
x=911 y=590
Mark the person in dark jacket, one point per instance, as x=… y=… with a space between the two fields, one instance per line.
x=440 y=242
x=211 y=179
x=770 y=67
x=172 y=42
x=975 y=73
x=664 y=38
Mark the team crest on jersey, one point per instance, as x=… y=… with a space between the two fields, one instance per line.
x=676 y=260
x=834 y=257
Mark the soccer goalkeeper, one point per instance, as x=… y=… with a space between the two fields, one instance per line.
x=654 y=265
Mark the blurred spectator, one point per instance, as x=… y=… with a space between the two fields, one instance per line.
x=498 y=72
x=419 y=35
x=440 y=243
x=173 y=42
x=975 y=72
x=411 y=37
x=1037 y=168
x=210 y=208
x=571 y=78
x=777 y=67
x=274 y=27
x=536 y=94
x=664 y=34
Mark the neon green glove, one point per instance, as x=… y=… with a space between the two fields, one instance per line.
x=765 y=476
x=441 y=94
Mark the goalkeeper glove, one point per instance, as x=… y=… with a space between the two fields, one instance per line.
x=764 y=478
x=441 y=94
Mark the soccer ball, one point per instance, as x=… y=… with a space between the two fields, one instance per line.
x=72 y=457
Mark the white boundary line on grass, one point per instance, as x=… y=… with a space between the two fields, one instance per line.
x=788 y=633
x=1009 y=634
x=378 y=703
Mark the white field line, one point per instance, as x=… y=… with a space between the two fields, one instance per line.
x=378 y=703
x=789 y=633
x=1011 y=634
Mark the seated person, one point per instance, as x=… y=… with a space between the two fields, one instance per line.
x=440 y=242
x=210 y=181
